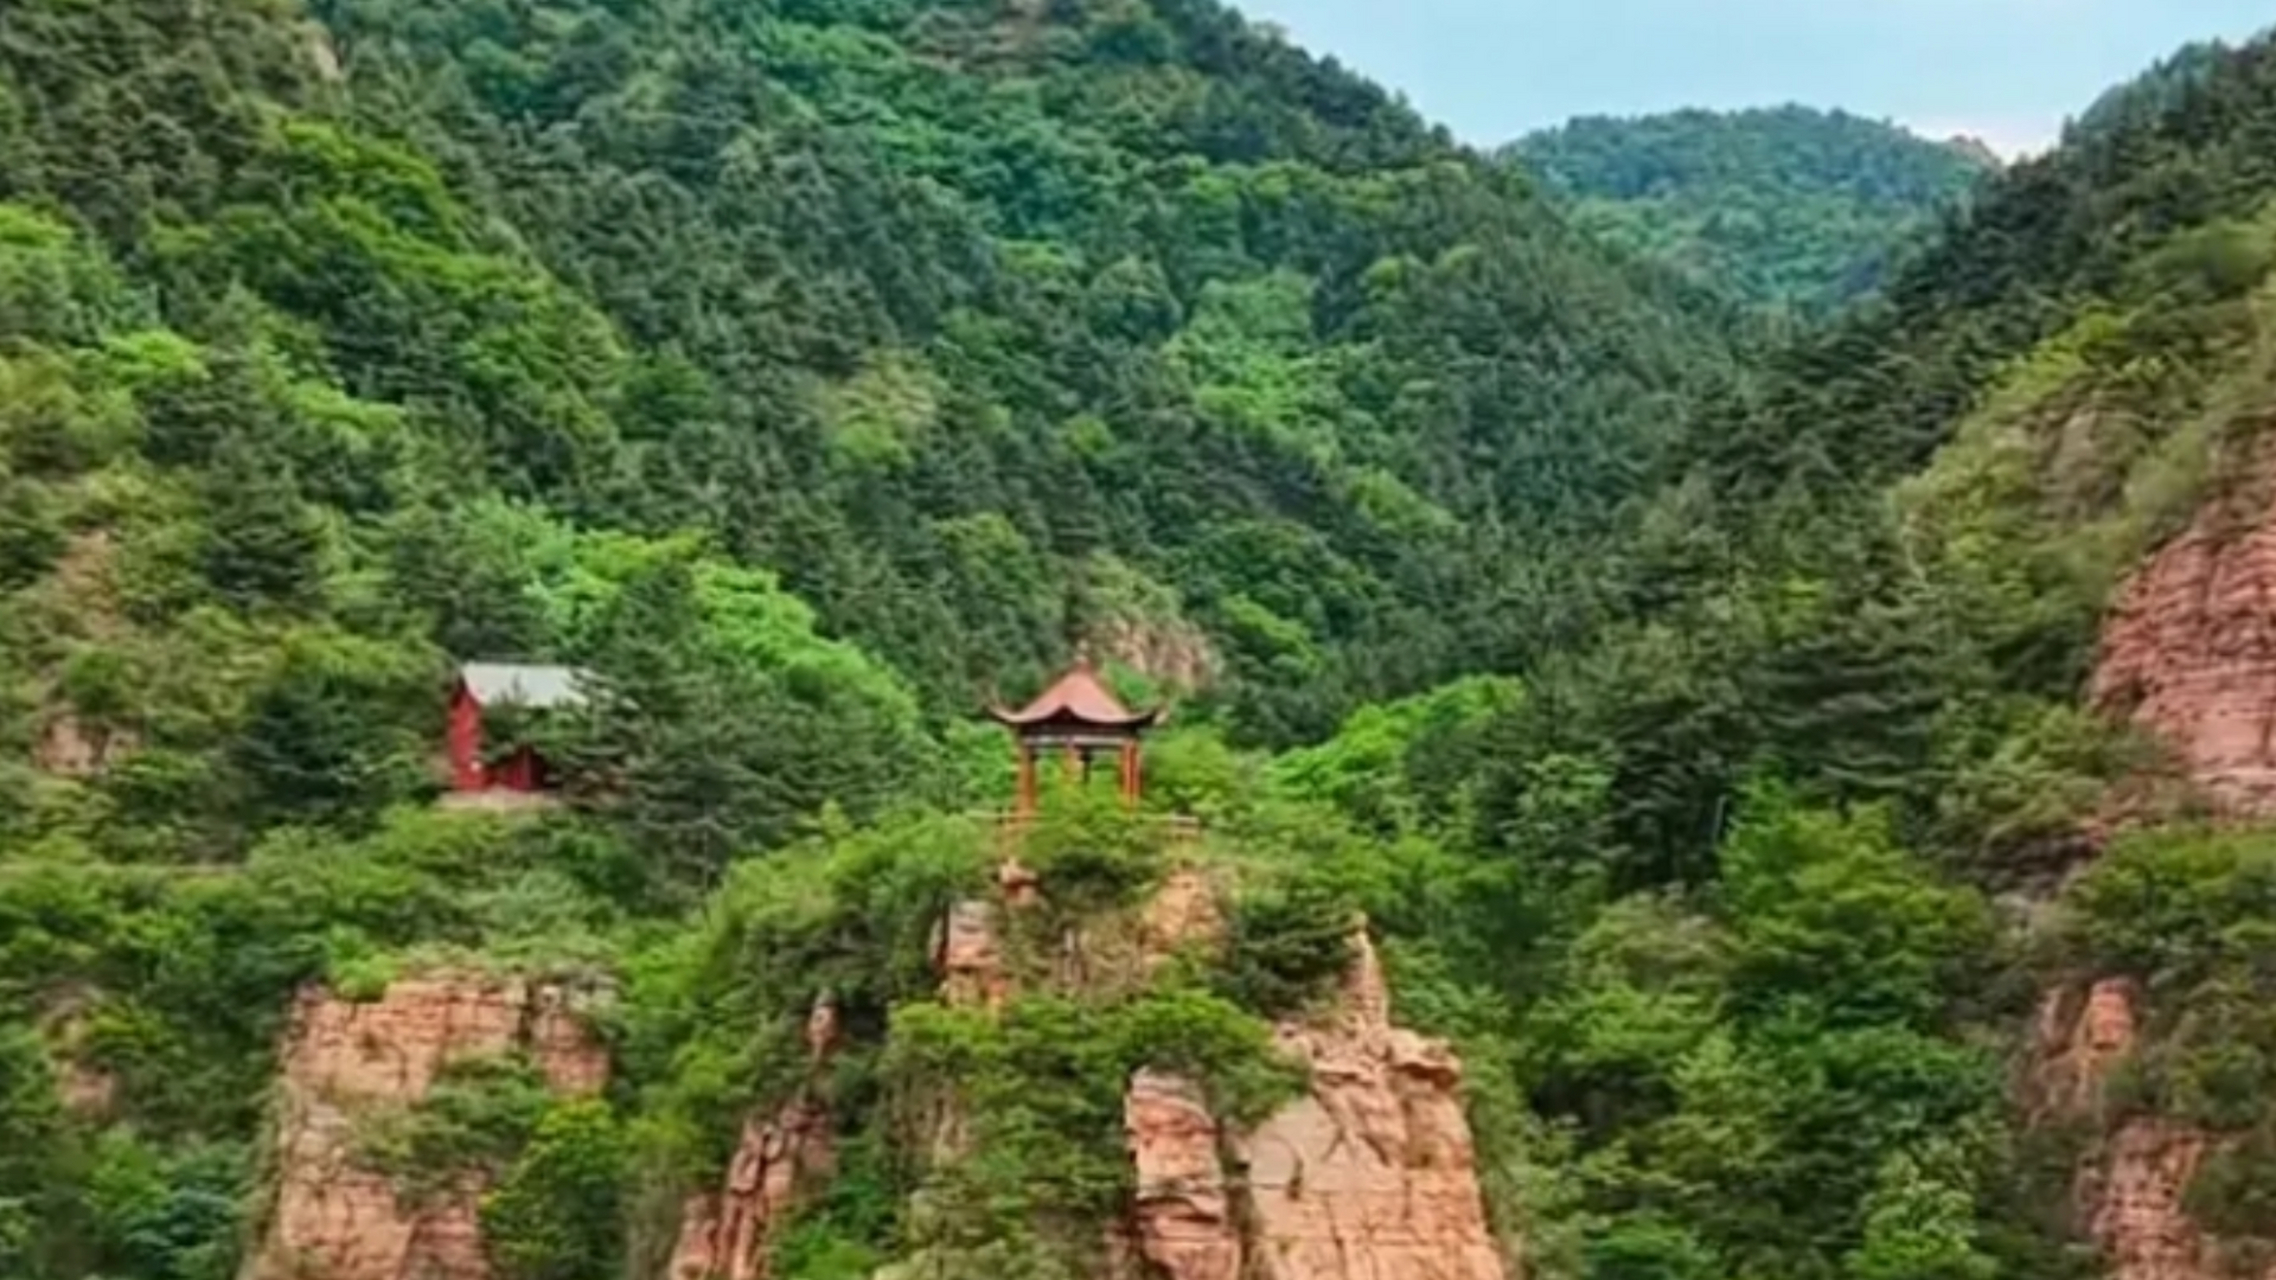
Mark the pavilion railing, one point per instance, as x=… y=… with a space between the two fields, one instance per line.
x=1012 y=826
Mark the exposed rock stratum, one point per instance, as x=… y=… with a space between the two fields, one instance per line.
x=2189 y=654
x=2131 y=1190
x=338 y=1220
x=726 y=1235
x=1369 y=1175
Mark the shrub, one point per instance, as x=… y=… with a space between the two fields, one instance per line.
x=478 y=1116
x=555 y=1213
x=1092 y=856
x=1041 y=1087
x=1288 y=946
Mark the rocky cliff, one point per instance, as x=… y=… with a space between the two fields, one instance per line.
x=2189 y=653
x=1367 y=1175
x=1183 y=1216
x=1370 y=1175
x=337 y=1220
x=726 y=1235
x=1373 y=1175
x=2131 y=1187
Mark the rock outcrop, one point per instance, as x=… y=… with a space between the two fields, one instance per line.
x=968 y=955
x=1371 y=1175
x=2189 y=654
x=1184 y=1221
x=336 y=1219
x=69 y=747
x=86 y=1090
x=1167 y=650
x=2131 y=1191
x=2081 y=1037
x=1183 y=913
x=2133 y=1204
x=726 y=1236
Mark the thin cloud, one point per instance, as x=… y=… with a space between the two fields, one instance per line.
x=2017 y=139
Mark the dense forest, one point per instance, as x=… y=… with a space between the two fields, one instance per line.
x=1785 y=207
x=1698 y=717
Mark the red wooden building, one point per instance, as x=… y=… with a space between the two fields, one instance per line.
x=487 y=686
x=1080 y=720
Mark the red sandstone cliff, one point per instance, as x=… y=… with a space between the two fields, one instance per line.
x=726 y=1236
x=1370 y=1176
x=336 y=1220
x=1184 y=1220
x=969 y=957
x=2189 y=653
x=2129 y=1193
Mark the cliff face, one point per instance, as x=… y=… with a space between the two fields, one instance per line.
x=2129 y=1193
x=2189 y=654
x=1370 y=1176
x=725 y=1236
x=969 y=956
x=1184 y=1220
x=339 y=1221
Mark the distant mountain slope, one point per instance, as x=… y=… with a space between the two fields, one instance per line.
x=988 y=323
x=1784 y=206
x=2141 y=100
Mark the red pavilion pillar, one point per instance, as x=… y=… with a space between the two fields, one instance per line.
x=1030 y=788
x=1131 y=775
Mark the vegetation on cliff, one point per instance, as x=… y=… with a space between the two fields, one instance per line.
x=1677 y=715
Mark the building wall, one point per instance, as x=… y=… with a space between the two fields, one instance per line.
x=465 y=743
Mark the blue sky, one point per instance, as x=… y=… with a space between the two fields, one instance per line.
x=2008 y=71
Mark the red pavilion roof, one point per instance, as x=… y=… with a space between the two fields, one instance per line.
x=1079 y=697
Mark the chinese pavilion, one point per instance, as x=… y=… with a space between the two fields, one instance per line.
x=1078 y=719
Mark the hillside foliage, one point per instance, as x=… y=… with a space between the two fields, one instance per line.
x=1679 y=708
x=1787 y=207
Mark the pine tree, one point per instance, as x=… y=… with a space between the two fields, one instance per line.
x=263 y=546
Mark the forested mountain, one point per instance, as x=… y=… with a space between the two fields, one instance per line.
x=1977 y=560
x=1748 y=761
x=984 y=328
x=805 y=373
x=2155 y=91
x=1789 y=206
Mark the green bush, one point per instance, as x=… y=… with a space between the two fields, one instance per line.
x=477 y=1117
x=2233 y=1195
x=1091 y=855
x=167 y=1214
x=40 y=1165
x=2191 y=917
x=1288 y=946
x=1646 y=1247
x=1041 y=1089
x=555 y=1214
x=32 y=533
x=847 y=1229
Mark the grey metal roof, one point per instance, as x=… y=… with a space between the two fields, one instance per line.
x=506 y=684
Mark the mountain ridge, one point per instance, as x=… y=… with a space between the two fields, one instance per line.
x=1780 y=206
